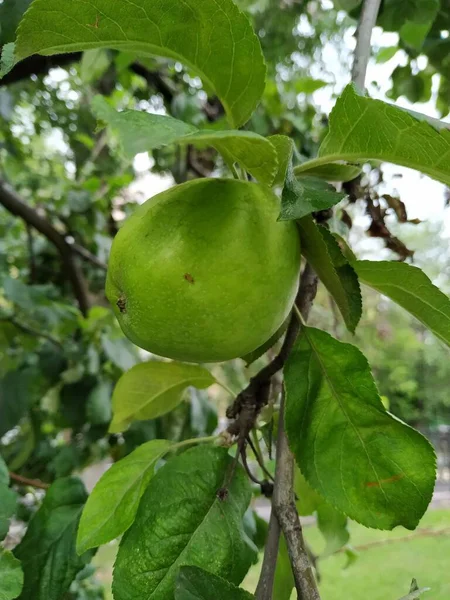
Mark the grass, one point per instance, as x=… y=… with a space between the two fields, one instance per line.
x=385 y=572
x=381 y=572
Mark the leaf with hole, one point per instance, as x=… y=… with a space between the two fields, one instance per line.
x=362 y=460
x=111 y=508
x=216 y=40
x=152 y=389
x=321 y=249
x=141 y=131
x=194 y=583
x=410 y=288
x=47 y=552
x=363 y=129
x=181 y=521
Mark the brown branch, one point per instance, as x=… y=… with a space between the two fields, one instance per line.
x=84 y=253
x=34 y=332
x=284 y=515
x=31 y=482
x=15 y=205
x=420 y=533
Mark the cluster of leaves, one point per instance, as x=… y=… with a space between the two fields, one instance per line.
x=355 y=459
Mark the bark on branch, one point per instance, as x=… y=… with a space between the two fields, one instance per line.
x=367 y=22
x=16 y=206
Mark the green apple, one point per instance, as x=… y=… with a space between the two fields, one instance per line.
x=204 y=272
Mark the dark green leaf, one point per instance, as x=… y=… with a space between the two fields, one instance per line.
x=362 y=460
x=304 y=196
x=196 y=584
x=112 y=505
x=16 y=395
x=8 y=500
x=330 y=172
x=322 y=250
x=181 y=521
x=365 y=129
x=412 y=19
x=152 y=389
x=141 y=131
x=11 y=12
x=409 y=287
x=216 y=41
x=47 y=551
x=11 y=576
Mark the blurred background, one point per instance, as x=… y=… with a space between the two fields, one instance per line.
x=61 y=350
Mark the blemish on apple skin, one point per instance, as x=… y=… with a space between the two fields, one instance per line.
x=188 y=277
x=122 y=304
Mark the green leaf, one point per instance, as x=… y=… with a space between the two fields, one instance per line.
x=284 y=147
x=7 y=59
x=412 y=19
x=141 y=132
x=409 y=287
x=49 y=559
x=321 y=249
x=182 y=521
x=332 y=523
x=309 y=85
x=304 y=196
x=98 y=406
x=331 y=172
x=8 y=500
x=284 y=579
x=365 y=129
x=152 y=389
x=333 y=526
x=11 y=576
x=16 y=395
x=214 y=39
x=197 y=584
x=362 y=460
x=385 y=54
x=93 y=65
x=11 y=11
x=111 y=508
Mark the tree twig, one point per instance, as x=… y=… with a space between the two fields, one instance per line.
x=367 y=21
x=34 y=332
x=31 y=482
x=15 y=205
x=284 y=515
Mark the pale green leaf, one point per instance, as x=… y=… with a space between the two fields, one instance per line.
x=182 y=521
x=322 y=250
x=309 y=85
x=304 y=196
x=385 y=54
x=194 y=583
x=113 y=503
x=49 y=559
x=409 y=287
x=362 y=460
x=94 y=64
x=141 y=132
x=152 y=389
x=331 y=522
x=331 y=172
x=284 y=147
x=8 y=505
x=11 y=576
x=98 y=406
x=365 y=129
x=215 y=39
x=415 y=592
